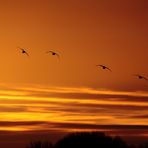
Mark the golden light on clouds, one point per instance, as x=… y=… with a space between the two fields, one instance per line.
x=43 y=104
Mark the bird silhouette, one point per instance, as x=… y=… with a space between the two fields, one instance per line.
x=104 y=67
x=141 y=77
x=53 y=53
x=24 y=51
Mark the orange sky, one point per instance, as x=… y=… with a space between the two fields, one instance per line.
x=85 y=33
x=42 y=90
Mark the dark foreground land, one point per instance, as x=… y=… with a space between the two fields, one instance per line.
x=86 y=140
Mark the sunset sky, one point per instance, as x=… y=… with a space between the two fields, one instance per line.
x=42 y=94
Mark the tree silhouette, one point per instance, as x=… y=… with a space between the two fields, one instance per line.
x=86 y=140
x=119 y=143
x=90 y=140
x=145 y=145
x=39 y=144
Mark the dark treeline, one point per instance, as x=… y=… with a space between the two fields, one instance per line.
x=86 y=140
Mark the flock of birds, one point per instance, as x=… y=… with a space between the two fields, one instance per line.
x=24 y=51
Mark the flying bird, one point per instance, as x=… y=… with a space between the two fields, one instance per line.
x=104 y=67
x=53 y=53
x=141 y=77
x=24 y=51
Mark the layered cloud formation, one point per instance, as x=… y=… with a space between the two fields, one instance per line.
x=38 y=108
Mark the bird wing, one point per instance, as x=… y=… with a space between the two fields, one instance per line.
x=58 y=56
x=145 y=78
x=50 y=51
x=104 y=66
x=100 y=65
x=21 y=49
x=109 y=69
x=27 y=53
